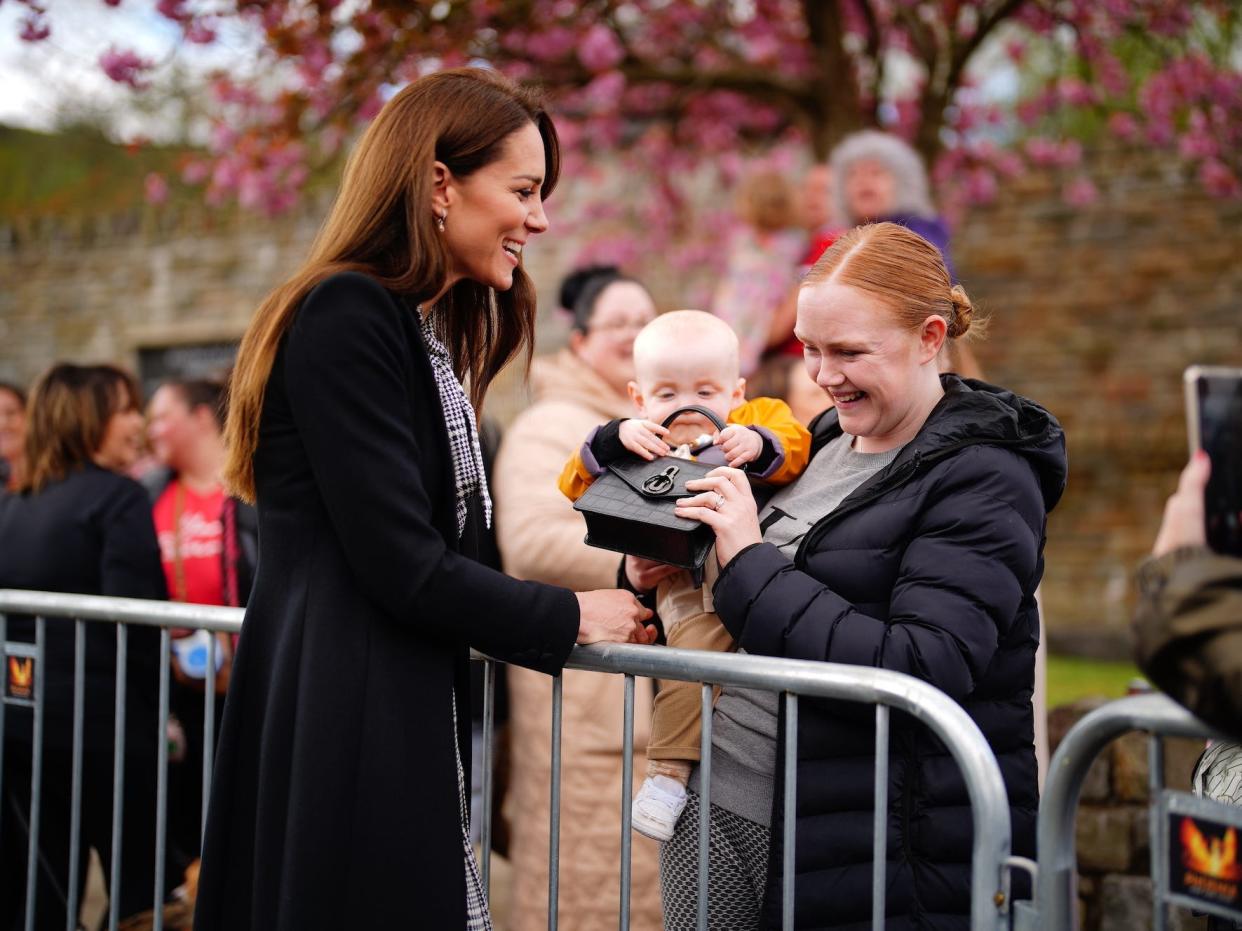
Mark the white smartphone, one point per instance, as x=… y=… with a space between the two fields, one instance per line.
x=1214 y=424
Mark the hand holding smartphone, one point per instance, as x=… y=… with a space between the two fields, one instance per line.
x=1214 y=424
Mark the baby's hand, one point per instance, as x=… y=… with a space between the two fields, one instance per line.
x=642 y=438
x=739 y=444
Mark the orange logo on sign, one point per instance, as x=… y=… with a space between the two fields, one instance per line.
x=21 y=676
x=1216 y=859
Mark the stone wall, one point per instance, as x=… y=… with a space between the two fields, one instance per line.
x=1095 y=313
x=1112 y=828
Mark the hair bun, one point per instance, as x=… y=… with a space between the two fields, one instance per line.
x=963 y=311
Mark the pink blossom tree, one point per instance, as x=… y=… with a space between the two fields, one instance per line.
x=673 y=85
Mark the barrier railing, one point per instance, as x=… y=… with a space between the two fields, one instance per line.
x=792 y=679
x=1056 y=887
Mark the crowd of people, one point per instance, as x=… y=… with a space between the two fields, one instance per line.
x=873 y=503
x=77 y=519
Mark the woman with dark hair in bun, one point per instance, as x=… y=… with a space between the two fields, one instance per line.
x=540 y=538
x=912 y=542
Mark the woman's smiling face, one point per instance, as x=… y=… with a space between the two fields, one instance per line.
x=491 y=213
x=876 y=371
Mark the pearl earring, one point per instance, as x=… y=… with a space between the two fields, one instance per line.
x=440 y=222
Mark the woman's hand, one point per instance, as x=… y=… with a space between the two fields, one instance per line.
x=646 y=574
x=1183 y=523
x=728 y=507
x=613 y=616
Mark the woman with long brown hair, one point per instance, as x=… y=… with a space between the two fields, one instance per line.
x=338 y=799
x=79 y=525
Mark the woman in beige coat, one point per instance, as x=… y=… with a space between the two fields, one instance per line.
x=540 y=537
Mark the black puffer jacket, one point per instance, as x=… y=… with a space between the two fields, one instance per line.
x=929 y=568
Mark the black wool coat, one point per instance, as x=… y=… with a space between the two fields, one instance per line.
x=335 y=797
x=90 y=533
x=929 y=568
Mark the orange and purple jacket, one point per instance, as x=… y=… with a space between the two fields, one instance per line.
x=786 y=447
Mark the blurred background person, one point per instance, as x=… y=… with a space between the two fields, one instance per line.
x=782 y=372
x=879 y=177
x=79 y=525
x=12 y=436
x=541 y=538
x=208 y=547
x=764 y=248
x=1188 y=620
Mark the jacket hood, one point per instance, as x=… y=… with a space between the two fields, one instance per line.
x=565 y=377
x=975 y=412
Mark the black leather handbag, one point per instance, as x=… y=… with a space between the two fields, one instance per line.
x=629 y=509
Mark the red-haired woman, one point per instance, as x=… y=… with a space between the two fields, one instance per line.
x=912 y=542
x=338 y=799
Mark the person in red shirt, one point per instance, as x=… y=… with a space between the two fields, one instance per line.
x=783 y=367
x=207 y=543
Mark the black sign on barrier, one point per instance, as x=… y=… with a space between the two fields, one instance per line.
x=1204 y=867
x=18 y=673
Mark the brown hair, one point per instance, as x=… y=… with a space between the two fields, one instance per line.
x=202 y=392
x=70 y=406
x=765 y=200
x=382 y=224
x=903 y=270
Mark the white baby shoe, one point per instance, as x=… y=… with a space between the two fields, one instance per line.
x=657 y=806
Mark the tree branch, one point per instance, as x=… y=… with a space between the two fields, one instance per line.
x=875 y=53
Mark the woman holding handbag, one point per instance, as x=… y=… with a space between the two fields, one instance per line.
x=912 y=542
x=339 y=797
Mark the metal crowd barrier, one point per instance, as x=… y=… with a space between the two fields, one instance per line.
x=991 y=860
x=78 y=610
x=1056 y=887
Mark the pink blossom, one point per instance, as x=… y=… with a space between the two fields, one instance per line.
x=1218 y=180
x=125 y=67
x=172 y=9
x=195 y=172
x=1080 y=192
x=599 y=50
x=1123 y=126
x=1197 y=145
x=225 y=175
x=1076 y=93
x=200 y=33
x=156 y=188
x=604 y=91
x=223 y=138
x=551 y=44
x=35 y=28
x=1042 y=151
x=981 y=186
x=370 y=107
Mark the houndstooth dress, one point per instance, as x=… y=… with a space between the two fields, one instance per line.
x=470 y=480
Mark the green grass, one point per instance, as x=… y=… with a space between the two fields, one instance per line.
x=1073 y=677
x=75 y=172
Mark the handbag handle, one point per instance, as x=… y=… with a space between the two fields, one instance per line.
x=710 y=415
x=694 y=408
